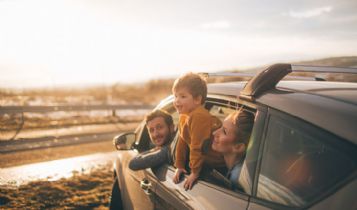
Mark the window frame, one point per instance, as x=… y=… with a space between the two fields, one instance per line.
x=334 y=141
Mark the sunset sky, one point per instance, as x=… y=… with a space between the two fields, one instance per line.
x=76 y=42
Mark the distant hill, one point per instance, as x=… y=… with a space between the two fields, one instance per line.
x=345 y=61
x=348 y=61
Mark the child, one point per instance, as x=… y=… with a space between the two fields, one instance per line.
x=195 y=126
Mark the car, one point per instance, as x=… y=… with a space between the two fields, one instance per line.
x=302 y=152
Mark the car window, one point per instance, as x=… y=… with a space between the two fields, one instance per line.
x=143 y=142
x=246 y=178
x=300 y=162
x=220 y=109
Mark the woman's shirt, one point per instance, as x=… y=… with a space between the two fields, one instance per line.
x=234 y=172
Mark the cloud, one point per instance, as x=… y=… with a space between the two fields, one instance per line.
x=216 y=25
x=310 y=13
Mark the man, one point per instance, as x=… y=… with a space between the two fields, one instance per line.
x=161 y=129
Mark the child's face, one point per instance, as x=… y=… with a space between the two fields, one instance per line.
x=184 y=101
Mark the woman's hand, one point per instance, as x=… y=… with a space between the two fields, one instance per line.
x=177 y=175
x=190 y=181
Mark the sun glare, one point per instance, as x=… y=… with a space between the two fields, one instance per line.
x=49 y=43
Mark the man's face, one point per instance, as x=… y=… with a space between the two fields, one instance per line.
x=159 y=131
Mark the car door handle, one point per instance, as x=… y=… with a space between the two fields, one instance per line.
x=146 y=186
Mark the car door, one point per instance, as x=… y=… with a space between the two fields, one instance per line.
x=301 y=165
x=135 y=186
x=205 y=194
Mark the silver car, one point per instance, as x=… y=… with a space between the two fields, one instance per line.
x=302 y=152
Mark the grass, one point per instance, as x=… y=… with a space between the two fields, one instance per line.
x=82 y=191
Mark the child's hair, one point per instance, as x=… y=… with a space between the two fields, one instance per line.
x=159 y=113
x=195 y=84
x=244 y=121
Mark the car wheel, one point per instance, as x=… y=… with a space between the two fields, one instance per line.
x=115 y=199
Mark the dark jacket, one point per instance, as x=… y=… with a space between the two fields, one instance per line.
x=151 y=158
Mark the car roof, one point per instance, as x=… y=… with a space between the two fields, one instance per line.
x=344 y=91
x=329 y=105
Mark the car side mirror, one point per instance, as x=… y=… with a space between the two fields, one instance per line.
x=124 y=141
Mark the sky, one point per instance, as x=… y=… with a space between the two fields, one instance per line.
x=83 y=42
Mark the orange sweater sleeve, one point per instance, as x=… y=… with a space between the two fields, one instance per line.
x=181 y=153
x=182 y=146
x=200 y=129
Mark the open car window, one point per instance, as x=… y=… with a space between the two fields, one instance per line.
x=221 y=110
x=142 y=142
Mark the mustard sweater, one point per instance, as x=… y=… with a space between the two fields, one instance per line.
x=195 y=128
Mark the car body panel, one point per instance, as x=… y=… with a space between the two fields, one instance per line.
x=202 y=196
x=129 y=183
x=317 y=107
x=344 y=198
x=317 y=110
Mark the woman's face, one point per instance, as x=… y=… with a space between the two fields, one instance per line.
x=224 y=137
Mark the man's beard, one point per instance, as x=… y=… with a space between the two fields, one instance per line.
x=168 y=138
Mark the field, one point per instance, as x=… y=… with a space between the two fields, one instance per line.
x=82 y=191
x=89 y=191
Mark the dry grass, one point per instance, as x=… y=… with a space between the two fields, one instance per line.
x=148 y=93
x=83 y=191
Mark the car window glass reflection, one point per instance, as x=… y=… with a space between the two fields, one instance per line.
x=299 y=165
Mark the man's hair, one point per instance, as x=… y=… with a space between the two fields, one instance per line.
x=195 y=84
x=159 y=113
x=244 y=121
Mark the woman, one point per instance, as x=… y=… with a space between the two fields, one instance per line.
x=231 y=140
